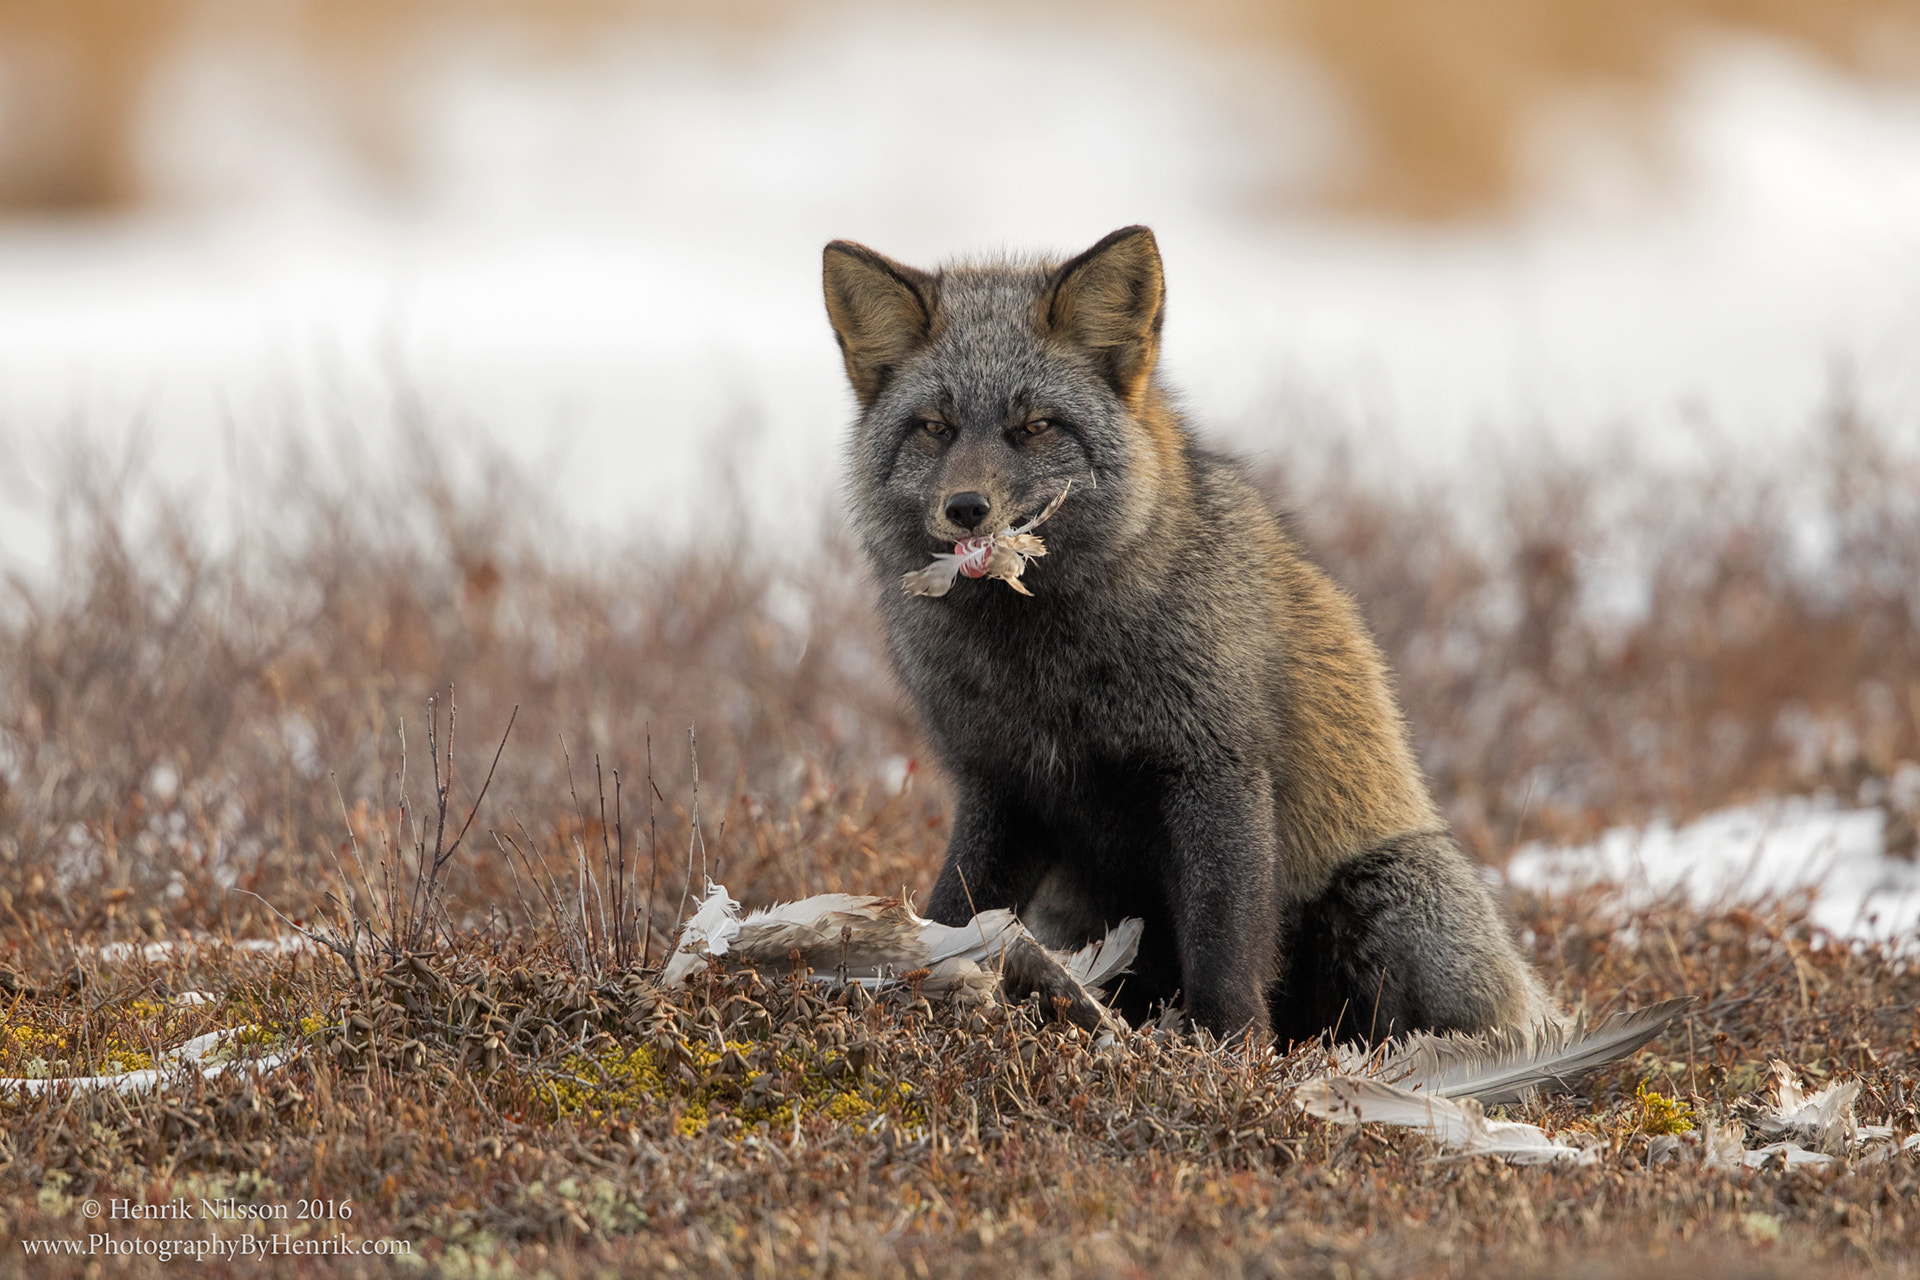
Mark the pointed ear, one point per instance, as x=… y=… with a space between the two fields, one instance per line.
x=1110 y=300
x=880 y=312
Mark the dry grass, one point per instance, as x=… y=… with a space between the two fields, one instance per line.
x=179 y=723
x=176 y=721
x=490 y=1108
x=1443 y=92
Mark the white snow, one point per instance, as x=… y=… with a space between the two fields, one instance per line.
x=1755 y=853
x=612 y=266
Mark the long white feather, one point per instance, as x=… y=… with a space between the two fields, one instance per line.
x=1792 y=1155
x=210 y=1055
x=1509 y=1066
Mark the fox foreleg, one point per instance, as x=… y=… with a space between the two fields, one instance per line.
x=1225 y=901
x=989 y=862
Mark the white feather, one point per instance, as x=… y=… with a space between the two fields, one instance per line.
x=1791 y=1154
x=1724 y=1148
x=1101 y=961
x=708 y=933
x=1508 y=1066
x=1822 y=1121
x=1459 y=1126
x=207 y=1054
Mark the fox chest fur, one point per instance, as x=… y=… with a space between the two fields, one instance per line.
x=1186 y=721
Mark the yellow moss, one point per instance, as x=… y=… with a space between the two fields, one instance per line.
x=120 y=1059
x=1661 y=1114
x=620 y=1079
x=848 y=1106
x=33 y=1039
x=615 y=1079
x=37 y=1052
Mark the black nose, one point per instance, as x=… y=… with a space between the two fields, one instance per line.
x=968 y=509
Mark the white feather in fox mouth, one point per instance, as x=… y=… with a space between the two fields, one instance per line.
x=1002 y=555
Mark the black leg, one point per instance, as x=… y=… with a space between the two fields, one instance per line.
x=1406 y=938
x=1221 y=883
x=991 y=861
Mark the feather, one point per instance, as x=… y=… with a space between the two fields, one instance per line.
x=1027 y=968
x=168 y=951
x=935 y=579
x=1822 y=1121
x=1879 y=1146
x=1811 y=1130
x=833 y=930
x=1460 y=1126
x=1791 y=1156
x=1724 y=1148
x=978 y=939
x=708 y=933
x=1101 y=961
x=1508 y=1066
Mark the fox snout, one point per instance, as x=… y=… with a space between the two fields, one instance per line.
x=969 y=509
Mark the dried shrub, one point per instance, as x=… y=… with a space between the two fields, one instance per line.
x=488 y=1104
x=178 y=721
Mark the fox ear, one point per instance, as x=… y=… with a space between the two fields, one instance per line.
x=880 y=312
x=1110 y=300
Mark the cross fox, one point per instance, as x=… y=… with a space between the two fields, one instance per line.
x=1186 y=721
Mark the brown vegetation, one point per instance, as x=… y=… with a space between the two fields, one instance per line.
x=489 y=1106
x=1630 y=644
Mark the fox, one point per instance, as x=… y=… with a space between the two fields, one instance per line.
x=1184 y=720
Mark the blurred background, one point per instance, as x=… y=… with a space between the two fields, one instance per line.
x=589 y=228
x=353 y=347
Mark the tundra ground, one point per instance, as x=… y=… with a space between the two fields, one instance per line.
x=212 y=743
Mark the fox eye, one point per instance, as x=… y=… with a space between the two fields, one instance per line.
x=1035 y=426
x=934 y=427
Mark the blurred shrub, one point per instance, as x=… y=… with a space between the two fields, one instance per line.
x=177 y=722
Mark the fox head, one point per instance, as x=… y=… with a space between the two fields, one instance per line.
x=985 y=389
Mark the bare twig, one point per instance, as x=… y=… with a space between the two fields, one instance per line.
x=653 y=851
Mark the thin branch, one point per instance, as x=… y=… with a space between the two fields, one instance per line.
x=653 y=852
x=489 y=782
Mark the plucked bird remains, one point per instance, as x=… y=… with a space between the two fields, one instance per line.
x=1002 y=555
x=877 y=942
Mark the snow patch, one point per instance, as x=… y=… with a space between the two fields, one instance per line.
x=1752 y=853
